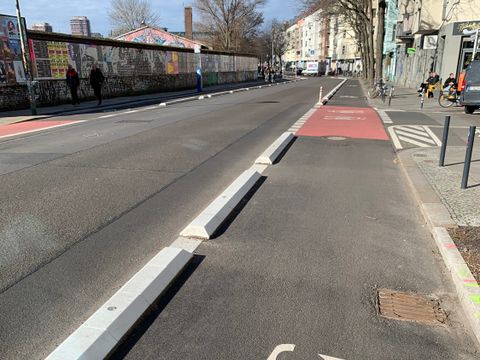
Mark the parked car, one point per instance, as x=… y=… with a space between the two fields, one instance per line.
x=470 y=87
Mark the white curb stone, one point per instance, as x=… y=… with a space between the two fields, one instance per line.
x=98 y=336
x=331 y=93
x=271 y=154
x=205 y=224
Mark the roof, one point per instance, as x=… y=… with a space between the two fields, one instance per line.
x=151 y=35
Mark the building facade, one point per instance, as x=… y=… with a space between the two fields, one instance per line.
x=46 y=27
x=432 y=35
x=80 y=26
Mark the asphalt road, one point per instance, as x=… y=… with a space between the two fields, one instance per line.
x=86 y=206
x=301 y=264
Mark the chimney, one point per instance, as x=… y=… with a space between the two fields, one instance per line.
x=188 y=23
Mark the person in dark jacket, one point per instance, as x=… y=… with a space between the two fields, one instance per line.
x=73 y=82
x=451 y=81
x=96 y=81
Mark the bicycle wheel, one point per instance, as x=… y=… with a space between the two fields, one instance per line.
x=373 y=93
x=444 y=101
x=383 y=93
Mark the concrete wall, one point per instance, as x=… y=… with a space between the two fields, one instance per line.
x=129 y=68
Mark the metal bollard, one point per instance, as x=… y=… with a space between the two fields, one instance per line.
x=468 y=156
x=320 y=96
x=392 y=89
x=443 y=150
x=422 y=99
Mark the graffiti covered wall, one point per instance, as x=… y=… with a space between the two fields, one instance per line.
x=150 y=35
x=129 y=69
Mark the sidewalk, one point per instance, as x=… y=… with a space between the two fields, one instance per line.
x=10 y=117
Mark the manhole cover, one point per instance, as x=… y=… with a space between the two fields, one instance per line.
x=404 y=306
x=336 y=138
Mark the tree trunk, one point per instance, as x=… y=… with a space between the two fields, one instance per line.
x=380 y=38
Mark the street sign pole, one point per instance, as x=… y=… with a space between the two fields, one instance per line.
x=25 y=60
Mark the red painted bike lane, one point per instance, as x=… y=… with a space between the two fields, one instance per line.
x=28 y=127
x=344 y=121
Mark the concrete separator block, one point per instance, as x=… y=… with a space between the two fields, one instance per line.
x=205 y=224
x=186 y=244
x=102 y=331
x=274 y=150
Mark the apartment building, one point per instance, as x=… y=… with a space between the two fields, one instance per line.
x=343 y=50
x=432 y=36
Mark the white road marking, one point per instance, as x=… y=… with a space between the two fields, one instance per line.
x=395 y=140
x=384 y=116
x=433 y=136
x=413 y=131
x=107 y=116
x=131 y=111
x=348 y=97
x=281 y=349
x=162 y=105
x=411 y=141
x=325 y=357
x=418 y=135
x=413 y=136
x=150 y=108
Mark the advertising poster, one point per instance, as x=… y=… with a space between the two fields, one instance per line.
x=10 y=51
x=3 y=73
x=19 y=72
x=58 y=55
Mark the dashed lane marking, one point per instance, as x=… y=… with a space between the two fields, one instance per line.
x=417 y=135
x=384 y=116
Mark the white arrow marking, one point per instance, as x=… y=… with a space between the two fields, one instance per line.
x=325 y=357
x=280 y=349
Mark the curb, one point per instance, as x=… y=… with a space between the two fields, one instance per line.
x=210 y=219
x=102 y=331
x=438 y=219
x=274 y=150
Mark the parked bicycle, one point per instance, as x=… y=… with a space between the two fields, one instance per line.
x=380 y=89
x=449 y=97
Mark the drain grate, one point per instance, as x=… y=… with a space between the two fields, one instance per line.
x=404 y=306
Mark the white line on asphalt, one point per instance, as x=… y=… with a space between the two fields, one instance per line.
x=395 y=140
x=411 y=141
x=384 y=116
x=433 y=136
x=131 y=111
x=107 y=116
x=162 y=104
x=281 y=349
x=42 y=129
x=413 y=136
x=150 y=108
x=325 y=357
x=410 y=130
x=201 y=97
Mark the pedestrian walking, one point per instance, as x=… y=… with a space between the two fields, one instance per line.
x=96 y=81
x=73 y=82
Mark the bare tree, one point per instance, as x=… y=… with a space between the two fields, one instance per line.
x=127 y=15
x=279 y=39
x=359 y=15
x=232 y=23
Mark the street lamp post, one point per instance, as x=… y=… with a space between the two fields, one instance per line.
x=25 y=60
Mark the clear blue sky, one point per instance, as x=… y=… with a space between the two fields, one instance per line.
x=59 y=13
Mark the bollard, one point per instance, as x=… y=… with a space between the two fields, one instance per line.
x=443 y=150
x=468 y=156
x=392 y=89
x=422 y=100
x=320 y=95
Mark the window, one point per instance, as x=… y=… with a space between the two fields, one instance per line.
x=343 y=49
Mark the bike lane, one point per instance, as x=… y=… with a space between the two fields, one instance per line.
x=295 y=275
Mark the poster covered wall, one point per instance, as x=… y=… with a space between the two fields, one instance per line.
x=51 y=60
x=11 y=65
